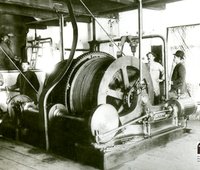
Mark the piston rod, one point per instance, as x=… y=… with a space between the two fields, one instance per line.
x=63 y=114
x=131 y=122
x=123 y=126
x=162 y=111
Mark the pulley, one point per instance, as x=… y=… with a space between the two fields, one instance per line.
x=20 y=99
x=104 y=119
x=55 y=111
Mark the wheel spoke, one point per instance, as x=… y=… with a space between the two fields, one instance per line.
x=119 y=86
x=125 y=77
x=120 y=109
x=115 y=94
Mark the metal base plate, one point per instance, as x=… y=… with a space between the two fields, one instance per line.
x=122 y=153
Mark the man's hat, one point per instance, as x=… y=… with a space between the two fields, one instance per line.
x=180 y=54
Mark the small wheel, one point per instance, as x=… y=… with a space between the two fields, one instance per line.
x=54 y=111
x=17 y=98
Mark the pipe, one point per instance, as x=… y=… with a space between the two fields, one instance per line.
x=61 y=23
x=41 y=39
x=93 y=30
x=80 y=49
x=140 y=38
x=168 y=78
x=92 y=15
x=94 y=44
x=134 y=37
x=165 y=60
x=50 y=87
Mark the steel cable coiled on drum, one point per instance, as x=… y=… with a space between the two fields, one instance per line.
x=79 y=87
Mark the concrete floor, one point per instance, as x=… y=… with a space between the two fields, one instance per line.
x=180 y=154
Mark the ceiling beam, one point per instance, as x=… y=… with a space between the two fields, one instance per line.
x=55 y=22
x=48 y=8
x=126 y=2
x=26 y=11
x=157 y=2
x=134 y=5
x=40 y=9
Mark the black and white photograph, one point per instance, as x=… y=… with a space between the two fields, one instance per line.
x=99 y=85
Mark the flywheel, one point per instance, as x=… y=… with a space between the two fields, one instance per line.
x=120 y=86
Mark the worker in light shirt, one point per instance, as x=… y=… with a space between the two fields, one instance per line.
x=157 y=75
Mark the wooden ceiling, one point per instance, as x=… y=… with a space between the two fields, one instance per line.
x=46 y=9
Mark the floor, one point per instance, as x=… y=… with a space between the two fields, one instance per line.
x=180 y=154
x=18 y=156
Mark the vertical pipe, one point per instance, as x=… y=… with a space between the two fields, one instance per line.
x=94 y=45
x=167 y=78
x=140 y=37
x=61 y=23
x=46 y=91
x=93 y=30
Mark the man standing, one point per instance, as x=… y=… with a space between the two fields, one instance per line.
x=157 y=75
x=178 y=84
x=27 y=83
x=5 y=52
